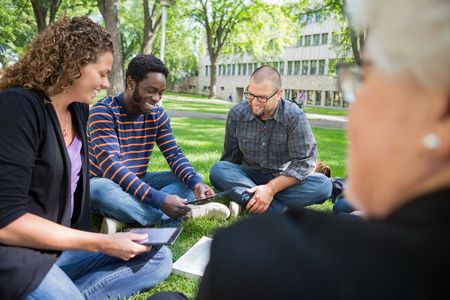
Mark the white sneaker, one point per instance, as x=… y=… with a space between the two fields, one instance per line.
x=235 y=209
x=110 y=225
x=213 y=210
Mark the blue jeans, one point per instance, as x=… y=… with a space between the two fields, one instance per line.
x=87 y=275
x=225 y=175
x=110 y=200
x=341 y=206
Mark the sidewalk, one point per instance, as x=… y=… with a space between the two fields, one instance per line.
x=316 y=120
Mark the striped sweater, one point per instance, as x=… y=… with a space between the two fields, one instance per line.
x=121 y=144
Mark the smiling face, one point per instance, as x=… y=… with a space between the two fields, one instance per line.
x=146 y=94
x=263 y=110
x=94 y=77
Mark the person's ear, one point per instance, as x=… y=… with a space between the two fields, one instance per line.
x=441 y=128
x=130 y=83
x=279 y=93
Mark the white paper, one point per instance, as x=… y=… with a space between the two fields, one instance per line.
x=193 y=263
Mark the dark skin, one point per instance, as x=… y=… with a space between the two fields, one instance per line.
x=140 y=99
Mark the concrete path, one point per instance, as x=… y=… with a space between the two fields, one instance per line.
x=316 y=120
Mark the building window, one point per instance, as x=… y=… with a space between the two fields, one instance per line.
x=234 y=69
x=275 y=65
x=310 y=18
x=335 y=38
x=255 y=66
x=316 y=39
x=328 y=98
x=250 y=68
x=229 y=70
x=244 y=69
x=222 y=88
x=239 y=69
x=303 y=18
x=319 y=17
x=297 y=68
x=309 y=97
x=224 y=70
x=206 y=70
x=307 y=40
x=220 y=69
x=321 y=67
x=300 y=41
x=305 y=66
x=289 y=68
x=337 y=101
x=281 y=71
x=324 y=38
x=332 y=67
x=313 y=69
x=318 y=97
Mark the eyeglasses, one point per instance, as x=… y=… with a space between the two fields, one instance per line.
x=350 y=77
x=261 y=99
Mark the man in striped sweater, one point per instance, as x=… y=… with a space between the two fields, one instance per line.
x=122 y=132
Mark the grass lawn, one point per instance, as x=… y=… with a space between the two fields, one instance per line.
x=202 y=141
x=196 y=103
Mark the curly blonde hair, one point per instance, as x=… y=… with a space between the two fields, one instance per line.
x=53 y=60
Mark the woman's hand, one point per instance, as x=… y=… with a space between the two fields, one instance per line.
x=124 y=245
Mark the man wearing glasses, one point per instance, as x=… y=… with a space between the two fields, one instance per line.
x=270 y=153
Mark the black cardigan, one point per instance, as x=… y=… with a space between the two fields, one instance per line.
x=35 y=178
x=306 y=254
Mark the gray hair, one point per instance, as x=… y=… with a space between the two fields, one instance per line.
x=407 y=37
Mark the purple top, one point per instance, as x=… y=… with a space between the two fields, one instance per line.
x=74 y=151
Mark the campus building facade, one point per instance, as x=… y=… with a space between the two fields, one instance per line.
x=309 y=66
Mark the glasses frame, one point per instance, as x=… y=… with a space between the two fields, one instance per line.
x=350 y=76
x=246 y=94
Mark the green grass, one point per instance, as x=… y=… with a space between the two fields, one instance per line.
x=325 y=111
x=202 y=141
x=197 y=106
x=186 y=96
x=196 y=103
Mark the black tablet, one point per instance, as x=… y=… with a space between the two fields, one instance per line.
x=158 y=236
x=207 y=199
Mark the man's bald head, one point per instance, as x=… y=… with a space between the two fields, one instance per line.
x=267 y=73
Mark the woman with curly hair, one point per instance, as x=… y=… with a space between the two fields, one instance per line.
x=46 y=248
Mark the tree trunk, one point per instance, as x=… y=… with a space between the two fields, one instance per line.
x=151 y=27
x=40 y=13
x=110 y=12
x=41 y=8
x=212 y=84
x=355 y=47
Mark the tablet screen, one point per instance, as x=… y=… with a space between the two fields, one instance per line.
x=158 y=236
x=207 y=199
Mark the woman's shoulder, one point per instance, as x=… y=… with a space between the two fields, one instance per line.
x=21 y=98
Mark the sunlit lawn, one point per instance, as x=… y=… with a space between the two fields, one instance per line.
x=196 y=103
x=201 y=141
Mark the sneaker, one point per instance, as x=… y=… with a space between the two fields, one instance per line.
x=213 y=210
x=110 y=225
x=235 y=209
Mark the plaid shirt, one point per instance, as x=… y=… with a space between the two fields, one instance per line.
x=283 y=145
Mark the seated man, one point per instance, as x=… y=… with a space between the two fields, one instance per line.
x=270 y=153
x=122 y=132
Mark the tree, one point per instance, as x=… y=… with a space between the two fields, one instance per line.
x=349 y=37
x=41 y=9
x=15 y=34
x=151 y=26
x=110 y=12
x=233 y=25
